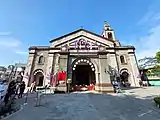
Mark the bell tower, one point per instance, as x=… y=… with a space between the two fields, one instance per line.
x=108 y=32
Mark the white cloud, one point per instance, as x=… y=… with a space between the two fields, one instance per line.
x=147 y=45
x=12 y=45
x=22 y=52
x=158 y=17
x=151 y=15
x=9 y=42
x=12 y=50
x=147 y=17
x=4 y=33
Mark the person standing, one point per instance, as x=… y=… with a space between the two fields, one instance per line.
x=33 y=84
x=10 y=91
x=22 y=88
x=114 y=86
x=17 y=88
x=12 y=88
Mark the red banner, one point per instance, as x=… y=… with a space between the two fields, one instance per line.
x=61 y=76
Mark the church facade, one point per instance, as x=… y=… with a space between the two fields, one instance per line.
x=85 y=58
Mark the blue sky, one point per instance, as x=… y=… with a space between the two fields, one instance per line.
x=36 y=22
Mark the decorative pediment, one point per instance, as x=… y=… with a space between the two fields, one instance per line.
x=84 y=42
x=81 y=39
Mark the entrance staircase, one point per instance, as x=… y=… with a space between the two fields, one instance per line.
x=83 y=87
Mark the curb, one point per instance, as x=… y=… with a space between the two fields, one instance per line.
x=9 y=114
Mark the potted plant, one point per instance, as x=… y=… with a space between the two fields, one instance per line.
x=157 y=101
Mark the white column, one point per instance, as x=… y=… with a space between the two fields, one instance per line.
x=49 y=69
x=97 y=78
x=134 y=71
x=97 y=75
x=100 y=72
x=56 y=64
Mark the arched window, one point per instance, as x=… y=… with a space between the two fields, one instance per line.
x=110 y=35
x=41 y=60
x=122 y=59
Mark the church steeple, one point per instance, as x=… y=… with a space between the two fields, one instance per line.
x=108 y=32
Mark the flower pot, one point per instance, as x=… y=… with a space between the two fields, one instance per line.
x=157 y=101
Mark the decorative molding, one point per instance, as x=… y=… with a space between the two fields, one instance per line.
x=124 y=69
x=88 y=55
x=72 y=40
x=82 y=60
x=38 y=71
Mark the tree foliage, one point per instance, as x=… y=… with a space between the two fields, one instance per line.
x=158 y=56
x=156 y=68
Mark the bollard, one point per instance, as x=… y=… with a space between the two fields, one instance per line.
x=68 y=88
x=45 y=90
x=38 y=100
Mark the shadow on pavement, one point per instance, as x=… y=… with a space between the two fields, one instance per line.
x=129 y=88
x=126 y=107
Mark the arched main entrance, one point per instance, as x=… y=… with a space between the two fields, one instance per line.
x=39 y=77
x=83 y=75
x=124 y=75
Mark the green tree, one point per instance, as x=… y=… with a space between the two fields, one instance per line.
x=158 y=56
x=156 y=68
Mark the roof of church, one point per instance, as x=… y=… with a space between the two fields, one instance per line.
x=78 y=31
x=48 y=48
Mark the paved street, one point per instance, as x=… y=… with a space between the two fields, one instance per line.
x=133 y=105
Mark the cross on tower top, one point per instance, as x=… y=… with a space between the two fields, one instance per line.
x=106 y=24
